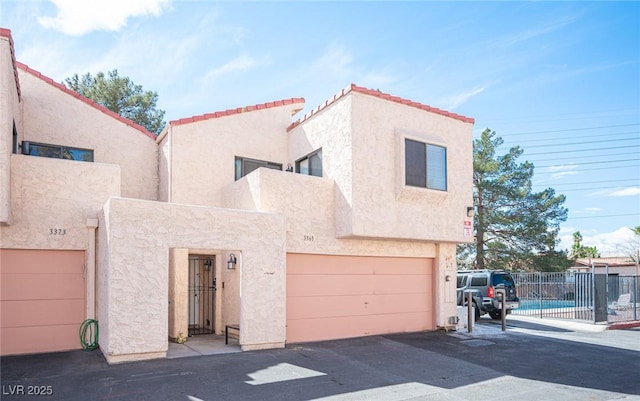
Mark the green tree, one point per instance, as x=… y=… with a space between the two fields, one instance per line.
x=515 y=228
x=122 y=96
x=580 y=251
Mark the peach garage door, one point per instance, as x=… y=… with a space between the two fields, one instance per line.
x=42 y=300
x=331 y=297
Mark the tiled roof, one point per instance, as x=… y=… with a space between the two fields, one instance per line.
x=6 y=33
x=86 y=100
x=238 y=110
x=381 y=95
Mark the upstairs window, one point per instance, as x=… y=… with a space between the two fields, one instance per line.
x=425 y=165
x=56 y=151
x=244 y=166
x=311 y=164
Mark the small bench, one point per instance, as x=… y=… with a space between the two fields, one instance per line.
x=228 y=327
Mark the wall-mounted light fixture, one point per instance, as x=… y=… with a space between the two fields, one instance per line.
x=469 y=211
x=207 y=264
x=231 y=263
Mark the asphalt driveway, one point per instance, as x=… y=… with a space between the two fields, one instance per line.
x=531 y=361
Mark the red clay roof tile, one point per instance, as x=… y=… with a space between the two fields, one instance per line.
x=381 y=95
x=237 y=110
x=6 y=33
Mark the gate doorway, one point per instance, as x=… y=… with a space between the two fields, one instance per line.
x=202 y=289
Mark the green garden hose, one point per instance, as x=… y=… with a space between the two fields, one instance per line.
x=89 y=334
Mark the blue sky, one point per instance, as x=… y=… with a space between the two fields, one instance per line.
x=559 y=79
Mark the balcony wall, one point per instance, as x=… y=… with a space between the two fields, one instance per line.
x=52 y=199
x=309 y=207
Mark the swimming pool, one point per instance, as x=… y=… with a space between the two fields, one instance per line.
x=536 y=304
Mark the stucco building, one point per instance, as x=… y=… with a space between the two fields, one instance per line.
x=348 y=229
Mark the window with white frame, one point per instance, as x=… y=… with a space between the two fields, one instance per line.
x=425 y=165
x=311 y=164
x=244 y=166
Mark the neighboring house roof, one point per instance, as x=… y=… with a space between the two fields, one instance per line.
x=611 y=261
x=88 y=101
x=6 y=33
x=381 y=95
x=238 y=110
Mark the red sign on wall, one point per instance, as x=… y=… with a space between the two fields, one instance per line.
x=468 y=228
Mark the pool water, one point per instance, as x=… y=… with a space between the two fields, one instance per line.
x=534 y=304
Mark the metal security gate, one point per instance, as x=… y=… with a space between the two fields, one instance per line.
x=202 y=287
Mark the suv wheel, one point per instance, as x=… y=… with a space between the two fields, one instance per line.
x=495 y=315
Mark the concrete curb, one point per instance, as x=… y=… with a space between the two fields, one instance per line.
x=624 y=325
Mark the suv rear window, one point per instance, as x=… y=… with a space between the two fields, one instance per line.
x=478 y=281
x=462 y=280
x=502 y=279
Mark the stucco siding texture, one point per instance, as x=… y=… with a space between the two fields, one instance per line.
x=331 y=131
x=382 y=205
x=330 y=297
x=135 y=238
x=42 y=300
x=164 y=168
x=52 y=200
x=308 y=204
x=9 y=112
x=203 y=153
x=54 y=117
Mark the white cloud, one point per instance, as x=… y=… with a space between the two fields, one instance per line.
x=631 y=191
x=615 y=243
x=563 y=174
x=561 y=167
x=461 y=98
x=336 y=60
x=522 y=36
x=560 y=171
x=241 y=63
x=78 y=17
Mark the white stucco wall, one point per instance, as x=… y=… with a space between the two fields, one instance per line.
x=55 y=117
x=164 y=168
x=134 y=241
x=55 y=194
x=383 y=206
x=331 y=130
x=9 y=112
x=203 y=152
x=362 y=141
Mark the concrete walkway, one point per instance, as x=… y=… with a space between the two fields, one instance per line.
x=206 y=344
